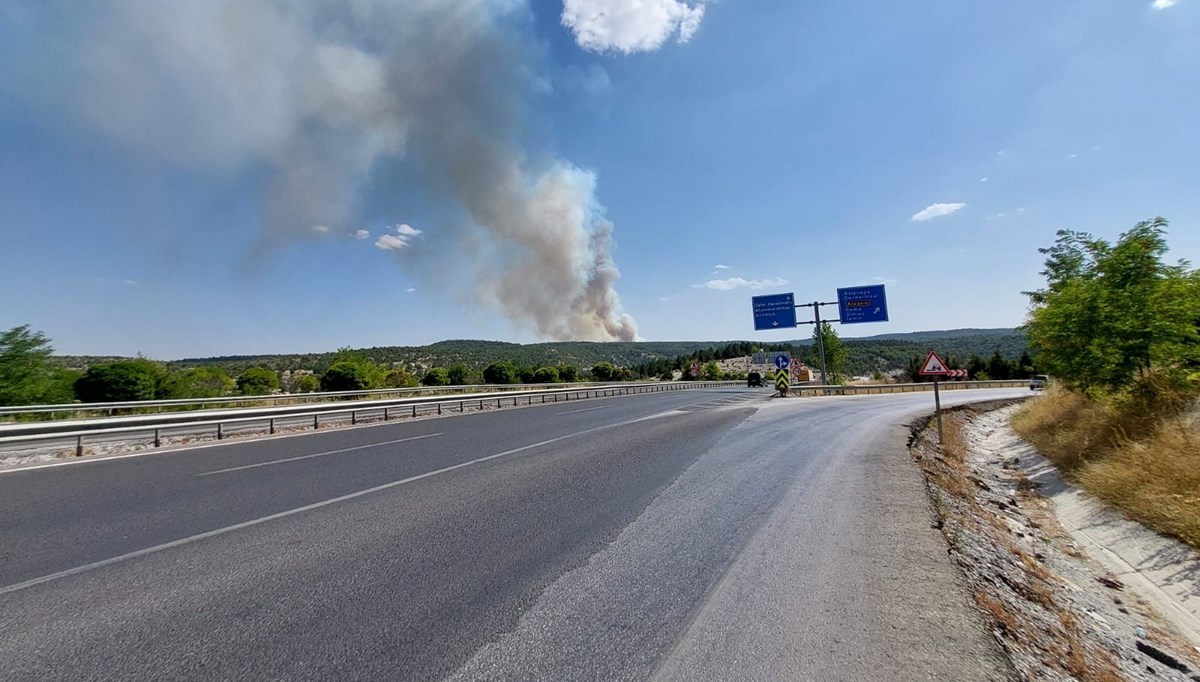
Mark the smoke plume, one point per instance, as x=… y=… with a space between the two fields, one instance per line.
x=307 y=98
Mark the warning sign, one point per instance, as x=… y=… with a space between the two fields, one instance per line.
x=934 y=365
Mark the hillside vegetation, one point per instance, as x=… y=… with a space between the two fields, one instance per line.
x=884 y=353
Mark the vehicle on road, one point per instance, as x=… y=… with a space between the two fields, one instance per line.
x=753 y=380
x=1038 y=382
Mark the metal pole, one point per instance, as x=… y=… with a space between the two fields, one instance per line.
x=820 y=341
x=937 y=403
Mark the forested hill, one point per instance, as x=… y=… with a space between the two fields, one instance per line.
x=884 y=352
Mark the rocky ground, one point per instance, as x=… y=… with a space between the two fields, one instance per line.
x=1056 y=612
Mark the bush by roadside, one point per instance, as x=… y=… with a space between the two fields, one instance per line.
x=1141 y=456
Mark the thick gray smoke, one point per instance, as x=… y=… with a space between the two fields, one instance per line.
x=312 y=95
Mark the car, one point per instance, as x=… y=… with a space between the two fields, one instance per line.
x=754 y=379
x=1038 y=381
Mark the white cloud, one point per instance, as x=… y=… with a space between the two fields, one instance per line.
x=1003 y=153
x=405 y=233
x=983 y=179
x=362 y=234
x=320 y=229
x=1072 y=156
x=630 y=25
x=664 y=299
x=131 y=282
x=740 y=283
x=1162 y=4
x=937 y=210
x=406 y=230
x=718 y=266
x=996 y=216
x=410 y=290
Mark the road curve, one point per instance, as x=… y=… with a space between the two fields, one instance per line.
x=710 y=534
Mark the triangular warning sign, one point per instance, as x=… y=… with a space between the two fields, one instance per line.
x=934 y=365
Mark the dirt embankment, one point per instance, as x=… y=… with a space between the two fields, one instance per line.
x=1058 y=615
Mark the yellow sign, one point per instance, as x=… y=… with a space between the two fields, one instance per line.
x=781 y=381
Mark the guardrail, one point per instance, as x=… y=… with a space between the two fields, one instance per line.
x=284 y=398
x=868 y=389
x=222 y=423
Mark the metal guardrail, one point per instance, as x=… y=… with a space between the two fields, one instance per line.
x=218 y=423
x=287 y=398
x=869 y=389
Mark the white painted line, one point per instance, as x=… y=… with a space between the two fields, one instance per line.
x=586 y=409
x=298 y=510
x=318 y=454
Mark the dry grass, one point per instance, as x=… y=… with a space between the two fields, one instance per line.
x=1147 y=465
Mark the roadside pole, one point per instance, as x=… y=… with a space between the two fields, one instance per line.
x=935 y=367
x=820 y=340
x=937 y=404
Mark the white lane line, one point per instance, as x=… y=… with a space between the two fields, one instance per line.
x=318 y=454
x=586 y=409
x=299 y=510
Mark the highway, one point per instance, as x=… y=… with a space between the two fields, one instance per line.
x=707 y=534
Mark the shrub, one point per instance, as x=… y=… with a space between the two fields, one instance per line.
x=546 y=375
x=124 y=380
x=305 y=383
x=437 y=376
x=258 y=381
x=345 y=376
x=500 y=373
x=457 y=376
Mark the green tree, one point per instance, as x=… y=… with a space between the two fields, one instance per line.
x=199 y=382
x=258 y=381
x=546 y=375
x=500 y=373
x=836 y=353
x=346 y=376
x=437 y=376
x=568 y=373
x=604 y=371
x=28 y=376
x=305 y=383
x=396 y=377
x=124 y=380
x=998 y=368
x=1111 y=314
x=457 y=375
x=710 y=371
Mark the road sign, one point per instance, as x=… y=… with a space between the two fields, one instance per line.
x=781 y=381
x=957 y=374
x=862 y=304
x=782 y=360
x=797 y=369
x=759 y=358
x=774 y=312
x=695 y=369
x=934 y=365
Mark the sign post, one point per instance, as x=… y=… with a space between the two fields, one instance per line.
x=936 y=368
x=782 y=382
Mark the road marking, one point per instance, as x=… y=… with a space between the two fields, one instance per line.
x=318 y=454
x=299 y=510
x=587 y=409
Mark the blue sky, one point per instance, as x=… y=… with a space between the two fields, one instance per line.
x=783 y=146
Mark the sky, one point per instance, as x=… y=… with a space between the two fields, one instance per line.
x=214 y=177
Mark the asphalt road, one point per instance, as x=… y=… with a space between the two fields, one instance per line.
x=710 y=534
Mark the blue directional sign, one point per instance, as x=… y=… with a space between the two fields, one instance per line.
x=774 y=312
x=782 y=361
x=862 y=304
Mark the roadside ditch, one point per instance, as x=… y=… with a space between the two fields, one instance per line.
x=1056 y=611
